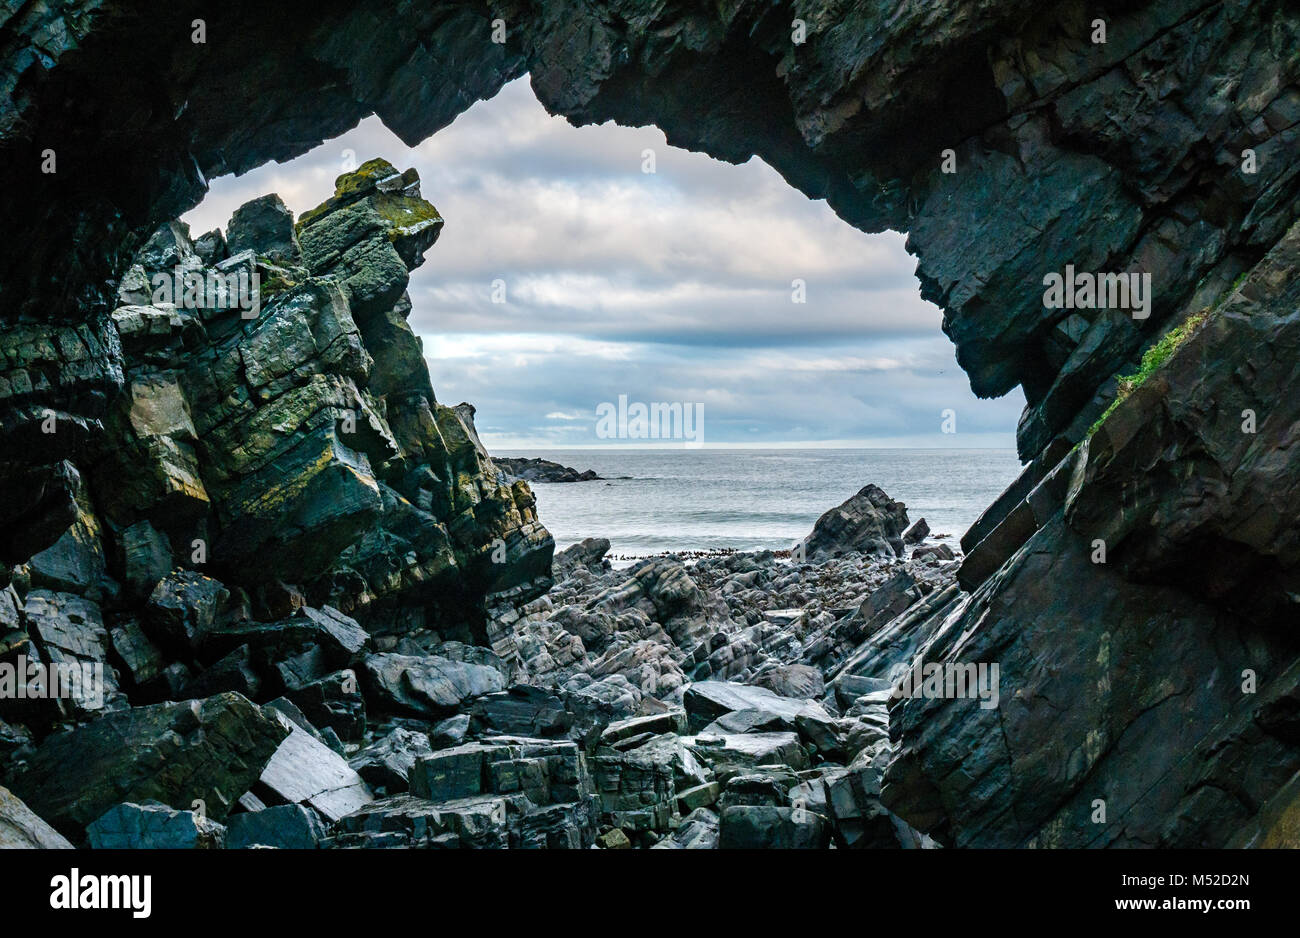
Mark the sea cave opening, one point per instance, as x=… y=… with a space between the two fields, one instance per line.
x=587 y=273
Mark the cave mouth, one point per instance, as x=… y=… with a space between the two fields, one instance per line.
x=584 y=270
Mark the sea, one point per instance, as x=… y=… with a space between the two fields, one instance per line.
x=666 y=500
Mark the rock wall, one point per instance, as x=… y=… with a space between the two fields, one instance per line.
x=1130 y=154
x=295 y=442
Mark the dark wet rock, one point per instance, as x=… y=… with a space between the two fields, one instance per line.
x=332 y=702
x=21 y=829
x=70 y=634
x=546 y=771
x=338 y=638
x=305 y=771
x=143 y=662
x=403 y=821
x=525 y=710
x=760 y=827
x=507 y=791
x=541 y=470
x=263 y=226
x=1119 y=156
x=146 y=557
x=671 y=721
x=175 y=753
x=698 y=831
x=429 y=685
x=861 y=821
x=588 y=553
x=868 y=523
x=700 y=796
x=918 y=532
x=745 y=750
x=449 y=732
x=234 y=672
x=386 y=763
x=935 y=551
x=75 y=563
x=182 y=608
x=706 y=701
x=636 y=793
x=285 y=827
x=154 y=826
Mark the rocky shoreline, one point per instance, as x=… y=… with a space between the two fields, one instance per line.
x=312 y=611
x=737 y=700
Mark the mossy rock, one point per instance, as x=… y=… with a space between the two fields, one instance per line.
x=1152 y=359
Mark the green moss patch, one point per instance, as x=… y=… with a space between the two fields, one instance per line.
x=1152 y=359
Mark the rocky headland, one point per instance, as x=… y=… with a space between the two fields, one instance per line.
x=542 y=470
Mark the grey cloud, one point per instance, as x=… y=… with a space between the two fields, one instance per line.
x=667 y=286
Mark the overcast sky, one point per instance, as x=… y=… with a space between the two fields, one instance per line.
x=671 y=286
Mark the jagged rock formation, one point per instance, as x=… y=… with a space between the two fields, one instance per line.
x=1170 y=148
x=299 y=442
x=870 y=523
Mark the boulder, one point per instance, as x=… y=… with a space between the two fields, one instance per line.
x=869 y=523
x=304 y=770
x=286 y=827
x=698 y=831
x=175 y=753
x=73 y=641
x=429 y=685
x=936 y=551
x=21 y=829
x=797 y=681
x=386 y=763
x=587 y=554
x=404 y=821
x=263 y=226
x=763 y=827
x=706 y=701
x=918 y=532
x=183 y=606
x=154 y=826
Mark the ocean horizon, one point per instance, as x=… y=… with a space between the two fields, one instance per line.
x=658 y=500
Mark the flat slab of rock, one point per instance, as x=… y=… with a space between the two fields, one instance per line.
x=430 y=685
x=21 y=829
x=211 y=750
x=749 y=749
x=403 y=821
x=306 y=771
x=672 y=721
x=706 y=701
